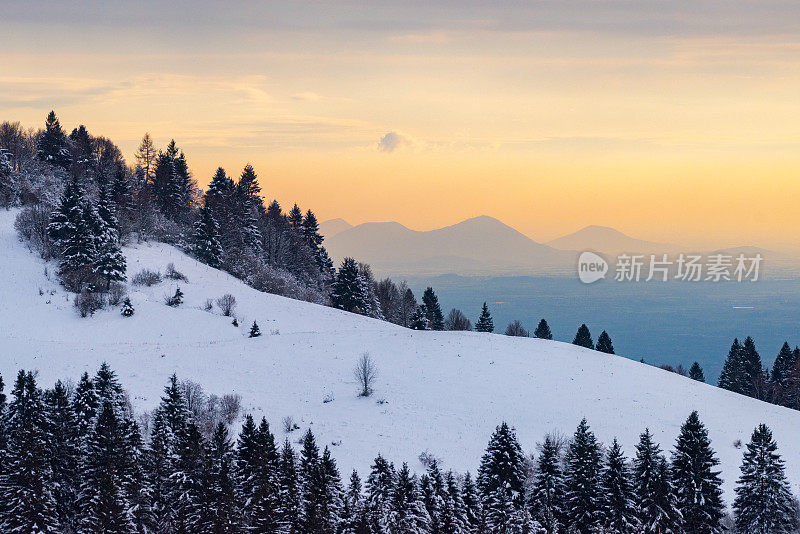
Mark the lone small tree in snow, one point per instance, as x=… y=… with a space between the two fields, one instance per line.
x=583 y=338
x=485 y=323
x=696 y=372
x=176 y=299
x=227 y=303
x=604 y=343
x=516 y=329
x=365 y=374
x=255 y=331
x=127 y=308
x=543 y=330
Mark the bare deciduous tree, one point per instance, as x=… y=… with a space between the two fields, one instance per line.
x=365 y=374
x=517 y=330
x=227 y=303
x=456 y=320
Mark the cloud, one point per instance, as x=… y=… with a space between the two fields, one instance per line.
x=394 y=141
x=309 y=96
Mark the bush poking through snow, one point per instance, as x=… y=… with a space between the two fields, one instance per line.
x=365 y=374
x=172 y=274
x=146 y=277
x=226 y=304
x=127 y=308
x=328 y=398
x=116 y=292
x=176 y=299
x=87 y=303
x=229 y=406
x=427 y=458
x=289 y=425
x=209 y=305
x=255 y=331
x=235 y=323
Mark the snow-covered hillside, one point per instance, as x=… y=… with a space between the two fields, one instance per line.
x=441 y=392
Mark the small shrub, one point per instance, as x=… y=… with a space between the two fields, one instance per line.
x=227 y=303
x=209 y=305
x=176 y=299
x=116 y=292
x=173 y=274
x=87 y=303
x=255 y=331
x=288 y=424
x=235 y=322
x=127 y=308
x=365 y=373
x=328 y=398
x=146 y=277
x=426 y=458
x=737 y=444
x=274 y=332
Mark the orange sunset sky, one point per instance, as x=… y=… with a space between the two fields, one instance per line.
x=675 y=121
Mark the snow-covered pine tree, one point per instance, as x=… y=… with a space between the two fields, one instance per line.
x=485 y=322
x=473 y=512
x=110 y=262
x=206 y=240
x=434 y=496
x=782 y=368
x=433 y=311
x=619 y=511
x=547 y=494
x=583 y=338
x=582 y=481
x=604 y=343
x=264 y=504
x=64 y=453
x=697 y=484
x=64 y=218
x=188 y=495
x=251 y=207
x=28 y=499
x=379 y=486
x=543 y=330
x=290 y=503
x=667 y=517
x=419 y=319
x=52 y=144
x=355 y=517
x=248 y=457
x=696 y=372
x=108 y=389
x=85 y=406
x=220 y=487
x=104 y=508
x=406 y=510
x=328 y=494
x=347 y=292
x=732 y=376
x=764 y=503
x=127 y=307
x=501 y=479
x=454 y=519
x=656 y=506
x=255 y=331
x=134 y=485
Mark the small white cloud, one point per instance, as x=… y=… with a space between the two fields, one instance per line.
x=394 y=141
x=308 y=95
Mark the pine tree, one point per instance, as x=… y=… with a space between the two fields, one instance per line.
x=347 y=292
x=697 y=484
x=583 y=338
x=190 y=504
x=754 y=375
x=380 y=483
x=485 y=323
x=472 y=505
x=63 y=449
x=433 y=311
x=146 y=159
x=65 y=218
x=221 y=499
x=419 y=319
x=582 y=481
x=604 y=343
x=103 y=503
x=127 y=307
x=255 y=331
x=764 y=503
x=406 y=512
x=206 y=240
x=52 y=144
x=109 y=262
x=696 y=372
x=543 y=330
x=290 y=503
x=500 y=479
x=295 y=218
x=732 y=376
x=547 y=494
x=264 y=501
x=454 y=517
x=619 y=512
x=322 y=498
x=27 y=497
x=434 y=496
x=85 y=405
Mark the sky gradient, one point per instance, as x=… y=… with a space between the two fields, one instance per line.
x=675 y=121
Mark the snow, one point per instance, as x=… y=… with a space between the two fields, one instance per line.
x=441 y=392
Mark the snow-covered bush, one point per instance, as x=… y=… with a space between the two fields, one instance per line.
x=174 y=274
x=127 y=308
x=146 y=277
x=427 y=458
x=288 y=424
x=87 y=302
x=365 y=374
x=230 y=405
x=176 y=299
x=116 y=292
x=31 y=226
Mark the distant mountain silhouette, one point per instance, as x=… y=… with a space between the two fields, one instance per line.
x=332 y=227
x=609 y=241
x=477 y=246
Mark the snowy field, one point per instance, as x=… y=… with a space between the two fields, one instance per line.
x=442 y=392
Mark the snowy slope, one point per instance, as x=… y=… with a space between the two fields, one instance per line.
x=444 y=391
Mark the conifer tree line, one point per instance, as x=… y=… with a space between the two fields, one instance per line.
x=75 y=459
x=744 y=373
